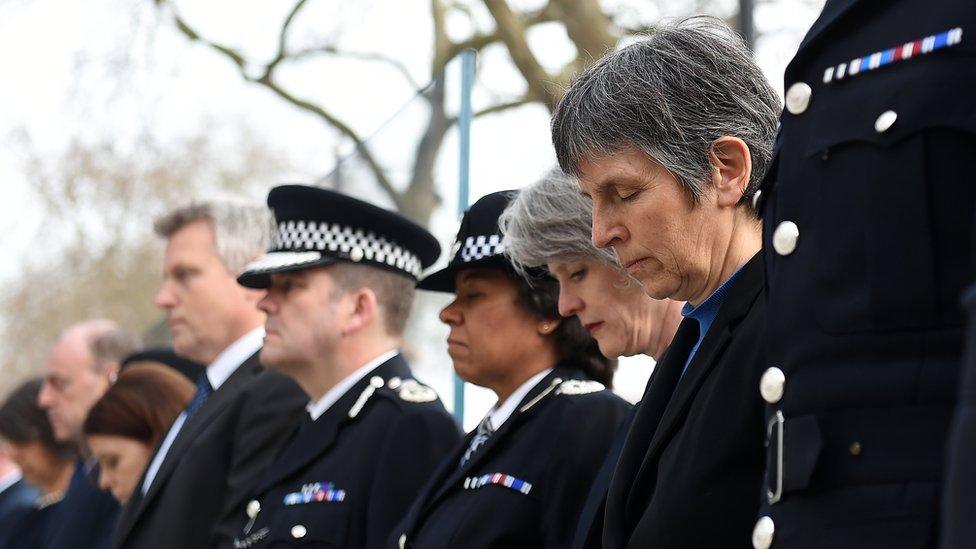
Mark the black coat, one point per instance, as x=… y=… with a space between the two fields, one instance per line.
x=959 y=501
x=16 y=502
x=85 y=517
x=214 y=463
x=367 y=455
x=555 y=441
x=691 y=468
x=863 y=306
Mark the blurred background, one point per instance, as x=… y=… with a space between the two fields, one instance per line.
x=113 y=111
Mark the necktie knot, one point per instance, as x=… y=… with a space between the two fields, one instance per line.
x=481 y=435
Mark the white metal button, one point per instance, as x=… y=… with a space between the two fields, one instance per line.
x=798 y=97
x=298 y=531
x=771 y=385
x=762 y=534
x=785 y=237
x=253 y=508
x=885 y=121
x=356 y=254
x=376 y=381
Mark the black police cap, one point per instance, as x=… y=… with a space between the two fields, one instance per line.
x=478 y=243
x=316 y=227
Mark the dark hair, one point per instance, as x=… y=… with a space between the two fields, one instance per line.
x=541 y=297
x=22 y=421
x=141 y=405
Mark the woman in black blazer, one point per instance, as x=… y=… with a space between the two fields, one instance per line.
x=520 y=479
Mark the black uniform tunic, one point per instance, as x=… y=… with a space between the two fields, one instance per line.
x=867 y=214
x=525 y=486
x=344 y=480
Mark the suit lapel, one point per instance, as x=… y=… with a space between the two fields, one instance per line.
x=217 y=401
x=743 y=293
x=310 y=442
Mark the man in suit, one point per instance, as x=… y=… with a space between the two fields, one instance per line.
x=669 y=137
x=216 y=449
x=340 y=280
x=79 y=369
x=17 y=499
x=867 y=227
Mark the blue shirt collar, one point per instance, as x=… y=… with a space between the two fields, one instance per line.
x=706 y=311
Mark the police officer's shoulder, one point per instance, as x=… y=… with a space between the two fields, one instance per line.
x=409 y=395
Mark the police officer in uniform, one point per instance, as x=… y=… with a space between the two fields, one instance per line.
x=867 y=211
x=340 y=278
x=520 y=479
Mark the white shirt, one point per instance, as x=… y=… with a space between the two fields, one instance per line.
x=226 y=363
x=499 y=414
x=318 y=407
x=9 y=480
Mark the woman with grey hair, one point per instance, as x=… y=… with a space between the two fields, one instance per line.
x=669 y=138
x=548 y=224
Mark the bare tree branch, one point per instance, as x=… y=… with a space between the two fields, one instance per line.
x=363 y=56
x=511 y=30
x=283 y=37
x=268 y=81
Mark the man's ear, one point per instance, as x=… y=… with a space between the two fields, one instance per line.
x=360 y=310
x=731 y=169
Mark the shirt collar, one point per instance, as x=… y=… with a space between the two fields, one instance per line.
x=500 y=413
x=705 y=312
x=233 y=356
x=318 y=407
x=9 y=480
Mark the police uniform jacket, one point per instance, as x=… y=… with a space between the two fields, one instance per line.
x=214 y=463
x=525 y=486
x=691 y=468
x=345 y=479
x=868 y=209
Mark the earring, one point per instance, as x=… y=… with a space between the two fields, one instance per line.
x=545 y=327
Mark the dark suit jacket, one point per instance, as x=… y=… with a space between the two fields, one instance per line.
x=344 y=480
x=863 y=315
x=216 y=459
x=85 y=517
x=36 y=529
x=555 y=441
x=690 y=471
x=16 y=502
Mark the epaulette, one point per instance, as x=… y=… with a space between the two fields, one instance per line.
x=579 y=387
x=412 y=390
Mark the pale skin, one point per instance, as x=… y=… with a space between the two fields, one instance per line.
x=73 y=382
x=614 y=309
x=494 y=342
x=318 y=336
x=122 y=461
x=206 y=309
x=675 y=248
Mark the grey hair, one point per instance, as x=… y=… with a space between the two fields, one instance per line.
x=550 y=220
x=113 y=345
x=671 y=95
x=242 y=230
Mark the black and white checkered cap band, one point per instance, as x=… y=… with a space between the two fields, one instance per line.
x=480 y=247
x=297 y=241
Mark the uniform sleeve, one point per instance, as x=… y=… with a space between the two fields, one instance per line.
x=587 y=431
x=268 y=415
x=416 y=445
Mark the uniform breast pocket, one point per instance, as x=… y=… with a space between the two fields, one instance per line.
x=895 y=214
x=319 y=525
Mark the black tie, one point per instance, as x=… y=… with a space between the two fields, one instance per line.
x=484 y=431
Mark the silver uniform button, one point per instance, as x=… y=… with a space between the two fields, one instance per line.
x=771 y=385
x=376 y=381
x=403 y=541
x=785 y=237
x=253 y=508
x=298 y=531
x=394 y=382
x=798 y=97
x=885 y=121
x=762 y=534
